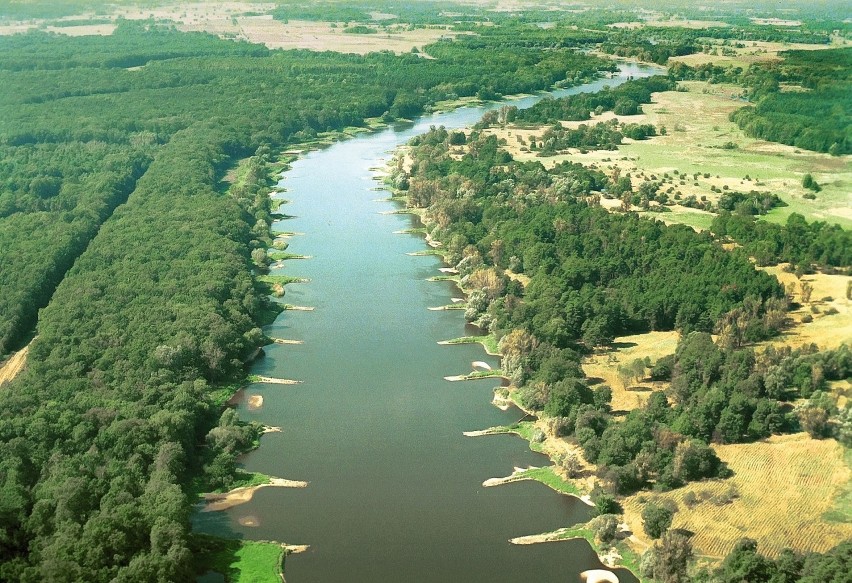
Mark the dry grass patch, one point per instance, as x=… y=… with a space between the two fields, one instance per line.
x=629 y=394
x=827 y=306
x=778 y=495
x=752 y=52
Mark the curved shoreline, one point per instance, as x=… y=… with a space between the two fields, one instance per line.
x=214 y=502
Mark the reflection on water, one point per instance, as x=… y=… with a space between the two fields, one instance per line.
x=395 y=490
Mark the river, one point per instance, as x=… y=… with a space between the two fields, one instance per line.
x=395 y=490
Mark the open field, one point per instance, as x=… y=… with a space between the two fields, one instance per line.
x=697 y=128
x=630 y=395
x=752 y=52
x=248 y=21
x=828 y=331
x=781 y=489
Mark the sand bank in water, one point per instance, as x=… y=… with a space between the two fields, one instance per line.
x=217 y=502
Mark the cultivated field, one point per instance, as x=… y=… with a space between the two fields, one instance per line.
x=781 y=489
x=249 y=21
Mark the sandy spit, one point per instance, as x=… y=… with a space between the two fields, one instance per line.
x=217 y=502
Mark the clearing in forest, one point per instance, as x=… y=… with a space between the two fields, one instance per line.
x=630 y=391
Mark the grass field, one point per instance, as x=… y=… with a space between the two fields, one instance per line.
x=697 y=128
x=242 y=561
x=779 y=494
x=626 y=349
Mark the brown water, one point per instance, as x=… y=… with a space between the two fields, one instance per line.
x=395 y=490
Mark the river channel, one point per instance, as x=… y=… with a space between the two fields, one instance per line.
x=395 y=489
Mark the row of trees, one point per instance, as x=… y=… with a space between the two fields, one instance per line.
x=797 y=241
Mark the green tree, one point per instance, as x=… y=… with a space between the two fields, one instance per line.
x=672 y=555
x=656 y=519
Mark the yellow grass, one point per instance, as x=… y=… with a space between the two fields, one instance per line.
x=604 y=366
x=10 y=368
x=826 y=331
x=785 y=484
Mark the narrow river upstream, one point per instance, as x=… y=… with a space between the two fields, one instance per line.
x=395 y=490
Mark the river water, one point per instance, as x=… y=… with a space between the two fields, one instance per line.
x=395 y=490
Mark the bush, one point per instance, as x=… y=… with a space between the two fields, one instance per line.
x=656 y=519
x=606 y=504
x=605 y=528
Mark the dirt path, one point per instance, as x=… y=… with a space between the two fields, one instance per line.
x=11 y=367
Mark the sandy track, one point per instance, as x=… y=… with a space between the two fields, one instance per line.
x=10 y=368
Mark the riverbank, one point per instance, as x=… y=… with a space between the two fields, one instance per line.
x=334 y=225
x=214 y=502
x=540 y=435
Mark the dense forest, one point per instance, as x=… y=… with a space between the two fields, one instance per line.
x=127 y=257
x=113 y=149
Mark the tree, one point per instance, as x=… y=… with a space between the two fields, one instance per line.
x=805 y=290
x=744 y=563
x=814 y=420
x=671 y=557
x=809 y=183
x=605 y=528
x=570 y=462
x=656 y=519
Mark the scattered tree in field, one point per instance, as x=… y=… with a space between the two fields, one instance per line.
x=656 y=519
x=809 y=183
x=668 y=560
x=805 y=291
